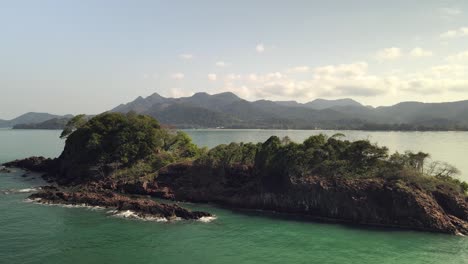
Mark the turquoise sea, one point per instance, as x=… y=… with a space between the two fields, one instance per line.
x=31 y=233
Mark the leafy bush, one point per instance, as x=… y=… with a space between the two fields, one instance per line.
x=135 y=144
x=226 y=155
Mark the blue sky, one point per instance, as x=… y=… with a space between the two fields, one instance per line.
x=89 y=56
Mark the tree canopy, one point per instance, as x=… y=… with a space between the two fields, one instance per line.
x=137 y=145
x=124 y=139
x=275 y=161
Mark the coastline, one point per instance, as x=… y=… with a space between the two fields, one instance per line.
x=266 y=203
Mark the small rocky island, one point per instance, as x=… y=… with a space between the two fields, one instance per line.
x=112 y=156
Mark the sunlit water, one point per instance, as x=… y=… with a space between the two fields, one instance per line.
x=31 y=233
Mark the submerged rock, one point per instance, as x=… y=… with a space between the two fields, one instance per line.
x=3 y=169
x=142 y=207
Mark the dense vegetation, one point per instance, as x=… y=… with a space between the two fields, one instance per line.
x=132 y=146
x=127 y=145
x=277 y=161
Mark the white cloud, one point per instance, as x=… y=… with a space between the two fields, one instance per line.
x=419 y=52
x=449 y=34
x=299 y=69
x=449 y=12
x=186 y=56
x=177 y=92
x=221 y=64
x=389 y=54
x=275 y=75
x=260 y=48
x=461 y=56
x=352 y=80
x=455 y=70
x=455 y=33
x=177 y=76
x=212 y=77
x=331 y=80
x=232 y=77
x=253 y=77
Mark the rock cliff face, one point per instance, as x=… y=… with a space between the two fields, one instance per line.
x=359 y=201
x=376 y=202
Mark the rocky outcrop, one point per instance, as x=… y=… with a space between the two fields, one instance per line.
x=140 y=187
x=142 y=207
x=38 y=164
x=3 y=169
x=376 y=202
x=101 y=192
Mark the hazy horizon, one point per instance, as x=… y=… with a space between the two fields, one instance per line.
x=88 y=56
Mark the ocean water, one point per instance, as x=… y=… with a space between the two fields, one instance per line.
x=31 y=233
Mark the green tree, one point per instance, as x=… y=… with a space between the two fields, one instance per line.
x=113 y=137
x=72 y=125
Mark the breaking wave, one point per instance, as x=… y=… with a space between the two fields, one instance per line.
x=133 y=215
x=207 y=219
x=25 y=190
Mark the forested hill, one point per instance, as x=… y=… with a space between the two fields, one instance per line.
x=54 y=123
x=227 y=110
x=30 y=118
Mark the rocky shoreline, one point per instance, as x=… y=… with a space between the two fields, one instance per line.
x=94 y=194
x=371 y=202
x=144 y=208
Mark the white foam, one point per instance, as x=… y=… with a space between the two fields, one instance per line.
x=83 y=205
x=156 y=219
x=133 y=215
x=127 y=214
x=207 y=219
x=35 y=200
x=28 y=190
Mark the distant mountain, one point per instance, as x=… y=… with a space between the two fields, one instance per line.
x=29 y=118
x=227 y=110
x=289 y=103
x=426 y=113
x=54 y=123
x=141 y=104
x=324 y=104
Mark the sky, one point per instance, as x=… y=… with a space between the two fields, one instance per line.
x=70 y=57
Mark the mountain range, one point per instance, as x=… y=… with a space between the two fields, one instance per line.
x=30 y=118
x=227 y=110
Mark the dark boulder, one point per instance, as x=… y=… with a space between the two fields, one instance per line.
x=142 y=207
